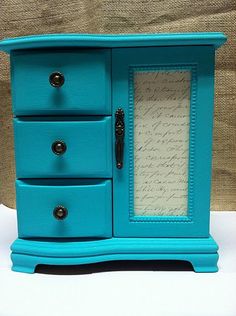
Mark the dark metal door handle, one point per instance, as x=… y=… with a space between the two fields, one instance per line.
x=120 y=134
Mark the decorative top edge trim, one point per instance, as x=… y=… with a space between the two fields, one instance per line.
x=111 y=40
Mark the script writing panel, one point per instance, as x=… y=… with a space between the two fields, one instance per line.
x=161 y=142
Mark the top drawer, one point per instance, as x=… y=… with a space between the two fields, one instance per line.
x=86 y=88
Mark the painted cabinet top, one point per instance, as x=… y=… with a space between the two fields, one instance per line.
x=215 y=39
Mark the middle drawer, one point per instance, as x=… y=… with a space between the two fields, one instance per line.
x=68 y=148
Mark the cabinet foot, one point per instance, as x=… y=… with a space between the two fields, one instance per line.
x=205 y=263
x=26 y=264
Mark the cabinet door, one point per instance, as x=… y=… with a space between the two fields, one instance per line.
x=163 y=187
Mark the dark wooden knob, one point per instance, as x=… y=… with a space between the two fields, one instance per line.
x=59 y=147
x=56 y=79
x=60 y=212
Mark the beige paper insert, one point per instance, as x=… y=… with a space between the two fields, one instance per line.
x=161 y=142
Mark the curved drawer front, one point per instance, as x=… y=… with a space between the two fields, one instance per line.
x=87 y=152
x=87 y=204
x=85 y=89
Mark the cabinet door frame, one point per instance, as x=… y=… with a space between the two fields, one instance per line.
x=200 y=61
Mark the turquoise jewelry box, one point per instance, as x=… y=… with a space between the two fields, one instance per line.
x=113 y=146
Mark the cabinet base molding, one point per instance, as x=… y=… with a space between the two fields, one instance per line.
x=200 y=252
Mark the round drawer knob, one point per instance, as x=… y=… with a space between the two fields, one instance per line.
x=56 y=79
x=59 y=147
x=60 y=212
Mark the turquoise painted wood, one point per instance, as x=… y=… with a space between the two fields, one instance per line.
x=89 y=205
x=200 y=252
x=201 y=262
x=86 y=90
x=88 y=153
x=200 y=61
x=215 y=39
x=100 y=225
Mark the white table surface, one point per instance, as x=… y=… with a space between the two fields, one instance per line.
x=121 y=293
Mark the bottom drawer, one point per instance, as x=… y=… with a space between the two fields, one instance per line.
x=64 y=208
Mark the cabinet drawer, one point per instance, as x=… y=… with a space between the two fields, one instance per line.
x=86 y=88
x=55 y=148
x=64 y=208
